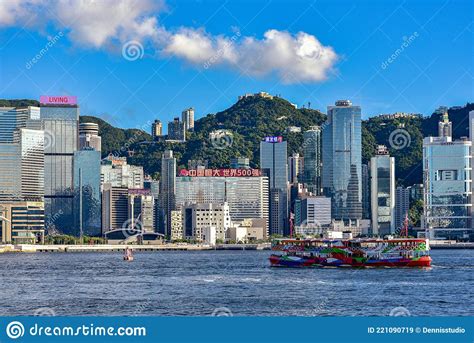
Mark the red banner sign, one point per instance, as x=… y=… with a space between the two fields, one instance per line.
x=231 y=172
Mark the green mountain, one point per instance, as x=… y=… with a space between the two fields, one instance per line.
x=245 y=123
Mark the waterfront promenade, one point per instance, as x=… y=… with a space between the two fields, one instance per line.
x=31 y=248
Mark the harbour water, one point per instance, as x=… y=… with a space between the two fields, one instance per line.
x=240 y=283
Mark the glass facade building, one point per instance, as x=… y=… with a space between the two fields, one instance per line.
x=312 y=160
x=447 y=188
x=21 y=155
x=167 y=191
x=274 y=162
x=342 y=160
x=382 y=172
x=60 y=124
x=87 y=174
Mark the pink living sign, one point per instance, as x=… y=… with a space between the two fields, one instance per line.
x=58 y=100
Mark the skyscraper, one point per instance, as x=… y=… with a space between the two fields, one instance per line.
x=447 y=187
x=402 y=205
x=21 y=155
x=167 y=190
x=295 y=168
x=365 y=192
x=312 y=159
x=187 y=117
x=273 y=160
x=87 y=198
x=342 y=160
x=382 y=172
x=60 y=122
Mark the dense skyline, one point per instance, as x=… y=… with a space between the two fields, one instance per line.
x=204 y=54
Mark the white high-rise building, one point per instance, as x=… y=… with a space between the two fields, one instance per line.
x=118 y=173
x=187 y=117
x=448 y=186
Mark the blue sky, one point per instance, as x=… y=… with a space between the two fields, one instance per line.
x=346 y=46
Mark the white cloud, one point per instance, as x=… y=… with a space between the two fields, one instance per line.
x=299 y=58
x=99 y=23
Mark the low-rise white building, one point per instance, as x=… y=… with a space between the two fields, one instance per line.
x=197 y=217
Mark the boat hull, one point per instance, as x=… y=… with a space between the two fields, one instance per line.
x=300 y=261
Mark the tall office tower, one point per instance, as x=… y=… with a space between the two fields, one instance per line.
x=60 y=119
x=167 y=190
x=114 y=208
x=141 y=210
x=118 y=173
x=12 y=118
x=176 y=130
x=187 y=117
x=365 y=192
x=342 y=160
x=447 y=187
x=445 y=127
x=312 y=159
x=382 y=172
x=154 y=187
x=87 y=198
x=89 y=136
x=21 y=155
x=240 y=163
x=273 y=159
x=402 y=205
x=295 y=168
x=156 y=129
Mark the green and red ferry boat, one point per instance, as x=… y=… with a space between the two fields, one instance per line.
x=397 y=252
